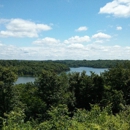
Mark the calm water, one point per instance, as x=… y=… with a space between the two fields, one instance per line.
x=79 y=69
x=88 y=70
x=24 y=80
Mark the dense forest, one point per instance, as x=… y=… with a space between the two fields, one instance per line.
x=34 y=68
x=69 y=101
x=92 y=63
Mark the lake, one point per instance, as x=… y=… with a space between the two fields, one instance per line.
x=79 y=69
x=88 y=70
x=24 y=80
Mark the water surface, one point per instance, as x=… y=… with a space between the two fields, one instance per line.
x=79 y=69
x=25 y=80
x=88 y=70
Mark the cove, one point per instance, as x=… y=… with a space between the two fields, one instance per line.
x=25 y=80
x=78 y=69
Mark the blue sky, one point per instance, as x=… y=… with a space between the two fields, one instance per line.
x=64 y=29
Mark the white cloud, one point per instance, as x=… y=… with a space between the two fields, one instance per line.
x=99 y=41
x=101 y=35
x=119 y=28
x=83 y=28
x=119 y=8
x=46 y=40
x=22 y=28
x=77 y=39
x=76 y=46
x=1 y=44
x=64 y=51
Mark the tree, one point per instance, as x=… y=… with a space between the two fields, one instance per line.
x=7 y=79
x=48 y=87
x=119 y=79
x=26 y=98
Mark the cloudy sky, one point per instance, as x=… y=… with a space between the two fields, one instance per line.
x=64 y=29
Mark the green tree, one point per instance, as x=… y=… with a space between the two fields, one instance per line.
x=26 y=97
x=119 y=79
x=48 y=88
x=7 y=79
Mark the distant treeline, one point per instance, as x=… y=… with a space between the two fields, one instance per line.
x=34 y=68
x=93 y=63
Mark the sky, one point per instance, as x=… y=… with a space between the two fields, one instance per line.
x=64 y=29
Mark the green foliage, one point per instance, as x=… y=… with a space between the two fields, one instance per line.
x=15 y=121
x=53 y=89
x=73 y=101
x=93 y=63
x=96 y=119
x=33 y=68
x=59 y=119
x=48 y=87
x=7 y=79
x=26 y=97
x=119 y=80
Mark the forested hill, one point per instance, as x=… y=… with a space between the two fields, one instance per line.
x=33 y=68
x=92 y=63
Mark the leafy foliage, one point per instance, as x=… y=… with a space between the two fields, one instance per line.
x=73 y=101
x=96 y=119
x=7 y=78
x=33 y=68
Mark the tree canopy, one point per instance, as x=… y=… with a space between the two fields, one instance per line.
x=74 y=101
